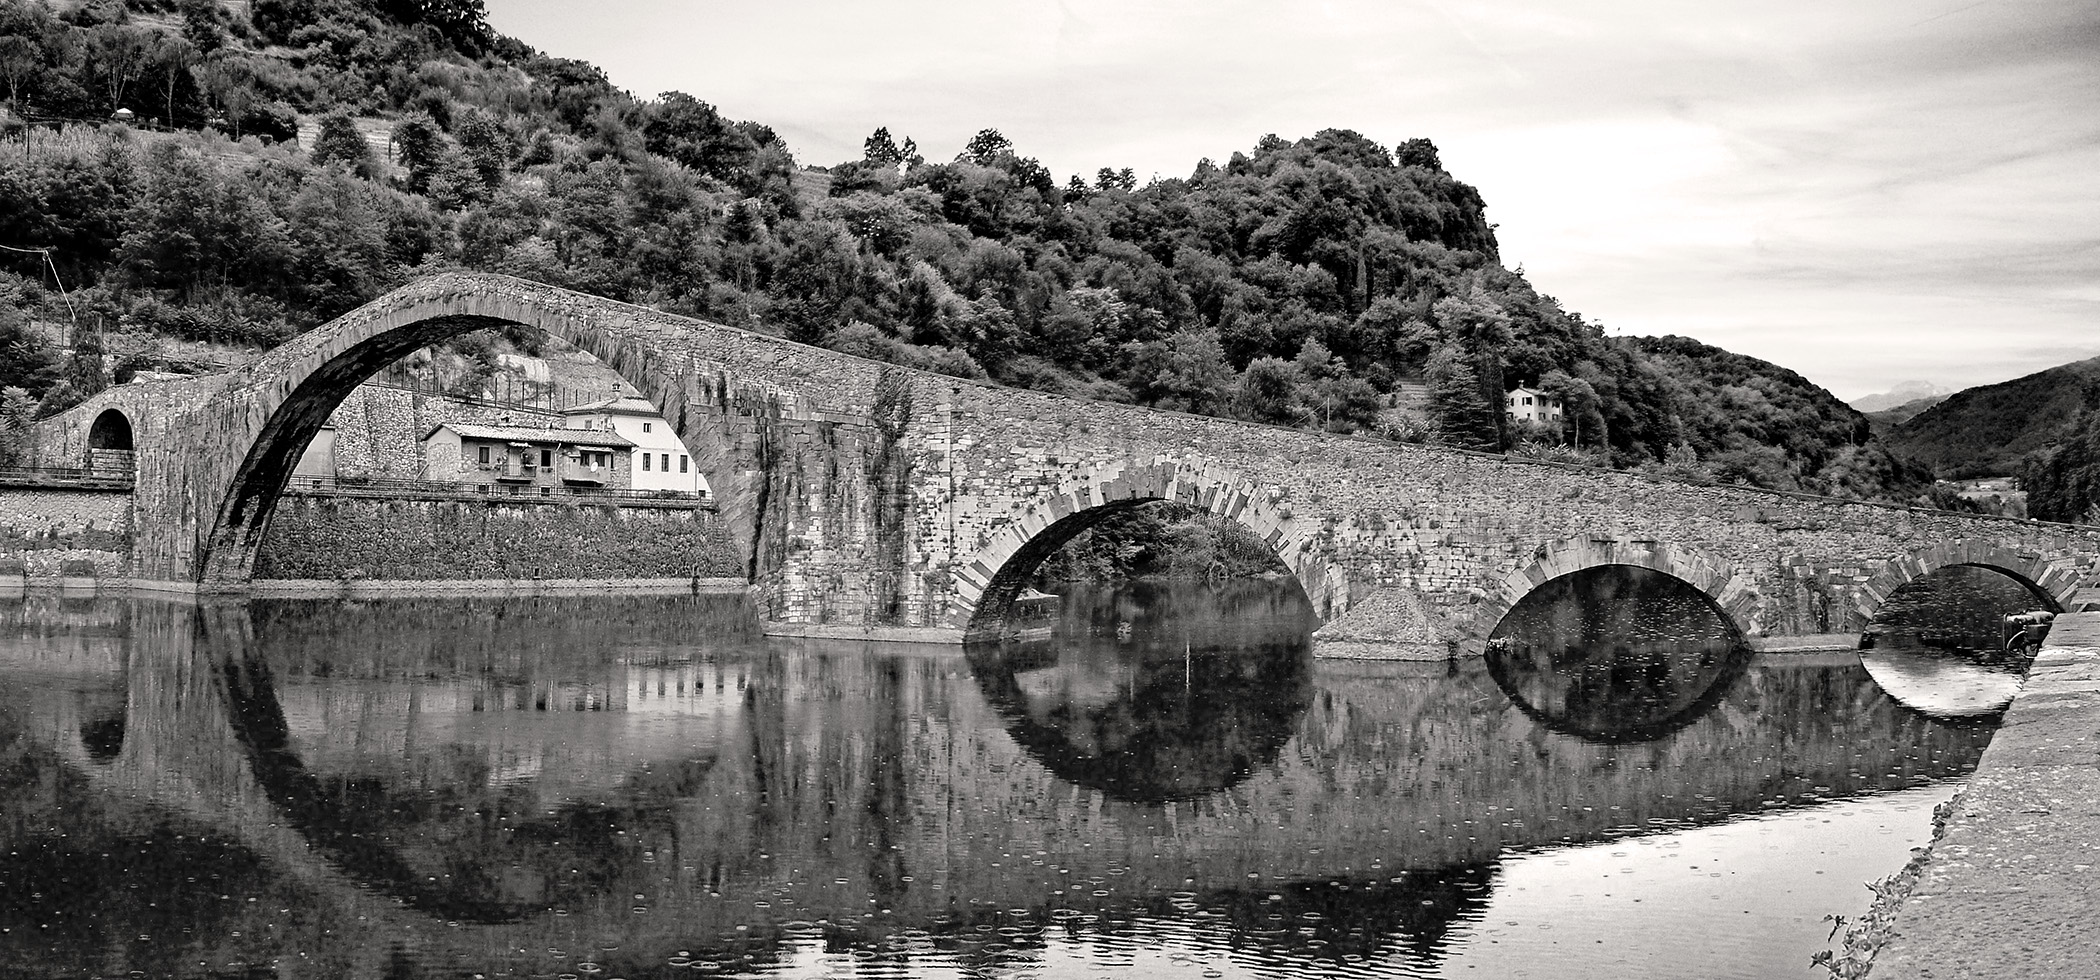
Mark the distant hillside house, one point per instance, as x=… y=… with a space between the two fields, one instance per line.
x=524 y=456
x=660 y=461
x=1526 y=405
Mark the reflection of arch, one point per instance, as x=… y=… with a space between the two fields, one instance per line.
x=112 y=430
x=1710 y=575
x=1648 y=730
x=1166 y=715
x=985 y=586
x=2048 y=580
x=341 y=833
x=285 y=396
x=1619 y=678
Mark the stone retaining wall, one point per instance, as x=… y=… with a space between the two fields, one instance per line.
x=43 y=528
x=315 y=536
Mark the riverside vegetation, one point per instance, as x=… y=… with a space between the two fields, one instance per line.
x=1326 y=282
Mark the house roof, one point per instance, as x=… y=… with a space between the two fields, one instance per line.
x=616 y=406
x=526 y=433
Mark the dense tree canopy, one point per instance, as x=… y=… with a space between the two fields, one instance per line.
x=1310 y=282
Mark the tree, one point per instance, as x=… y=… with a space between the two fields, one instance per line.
x=120 y=53
x=1581 y=409
x=84 y=370
x=462 y=23
x=229 y=84
x=1269 y=391
x=27 y=31
x=1463 y=418
x=173 y=56
x=19 y=56
x=693 y=133
x=985 y=147
x=883 y=151
x=1418 y=152
x=17 y=411
x=25 y=359
x=339 y=141
x=419 y=145
x=1482 y=330
x=204 y=25
x=1186 y=372
x=487 y=147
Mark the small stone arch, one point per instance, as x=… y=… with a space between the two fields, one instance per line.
x=2051 y=580
x=1000 y=568
x=111 y=431
x=1730 y=592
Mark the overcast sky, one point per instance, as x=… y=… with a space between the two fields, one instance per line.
x=1865 y=191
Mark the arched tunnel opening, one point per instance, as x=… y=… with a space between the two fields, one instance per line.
x=1616 y=653
x=493 y=407
x=1146 y=537
x=1956 y=642
x=111 y=431
x=1179 y=660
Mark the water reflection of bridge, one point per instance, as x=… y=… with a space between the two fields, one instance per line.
x=368 y=797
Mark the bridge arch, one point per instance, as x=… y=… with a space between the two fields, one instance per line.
x=2052 y=581
x=1702 y=571
x=999 y=571
x=112 y=430
x=277 y=404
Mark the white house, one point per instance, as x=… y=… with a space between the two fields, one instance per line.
x=1527 y=405
x=661 y=462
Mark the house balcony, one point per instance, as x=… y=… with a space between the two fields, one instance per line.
x=514 y=473
x=596 y=476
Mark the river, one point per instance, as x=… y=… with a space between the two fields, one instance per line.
x=1168 y=786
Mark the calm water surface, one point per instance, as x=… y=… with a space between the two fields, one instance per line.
x=1170 y=786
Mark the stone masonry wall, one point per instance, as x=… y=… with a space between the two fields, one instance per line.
x=44 y=528
x=319 y=536
x=1446 y=525
x=1452 y=526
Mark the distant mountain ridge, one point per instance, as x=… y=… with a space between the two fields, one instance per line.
x=1993 y=429
x=1905 y=412
x=1903 y=394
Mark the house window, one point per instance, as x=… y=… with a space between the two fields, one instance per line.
x=1527 y=399
x=645 y=426
x=483 y=454
x=667 y=462
x=681 y=464
x=546 y=457
x=645 y=462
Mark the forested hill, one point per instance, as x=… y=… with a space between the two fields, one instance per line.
x=1303 y=281
x=1991 y=429
x=2044 y=427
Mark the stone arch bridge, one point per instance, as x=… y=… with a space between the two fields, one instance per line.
x=865 y=496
